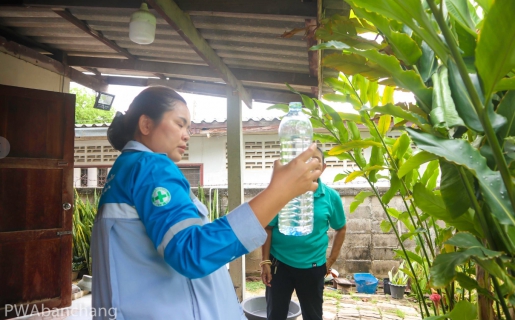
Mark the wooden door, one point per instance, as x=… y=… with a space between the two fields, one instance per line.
x=36 y=199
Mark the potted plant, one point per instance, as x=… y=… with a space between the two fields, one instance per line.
x=398 y=282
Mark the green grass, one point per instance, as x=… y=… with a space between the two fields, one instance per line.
x=333 y=294
x=400 y=314
x=255 y=286
x=355 y=298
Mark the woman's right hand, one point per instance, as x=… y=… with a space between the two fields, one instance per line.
x=266 y=274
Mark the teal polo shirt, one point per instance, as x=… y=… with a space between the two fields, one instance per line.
x=308 y=251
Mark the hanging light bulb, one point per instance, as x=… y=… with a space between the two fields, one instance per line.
x=142 y=28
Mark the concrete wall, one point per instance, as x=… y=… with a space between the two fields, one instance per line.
x=18 y=73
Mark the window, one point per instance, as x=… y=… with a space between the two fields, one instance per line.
x=193 y=173
x=83 y=177
x=101 y=177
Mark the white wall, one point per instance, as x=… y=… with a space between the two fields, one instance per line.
x=18 y=73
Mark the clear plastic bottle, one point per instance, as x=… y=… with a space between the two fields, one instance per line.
x=296 y=135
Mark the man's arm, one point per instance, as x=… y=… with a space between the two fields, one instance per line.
x=338 y=239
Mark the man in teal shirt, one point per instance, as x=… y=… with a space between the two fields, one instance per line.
x=299 y=262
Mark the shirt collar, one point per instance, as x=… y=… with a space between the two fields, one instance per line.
x=134 y=145
x=320 y=190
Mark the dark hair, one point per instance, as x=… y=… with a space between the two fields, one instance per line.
x=322 y=153
x=152 y=102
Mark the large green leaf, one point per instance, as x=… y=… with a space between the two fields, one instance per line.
x=342 y=29
x=409 y=12
x=401 y=145
x=374 y=67
x=359 y=198
x=443 y=113
x=462 y=153
x=429 y=202
x=471 y=284
x=347 y=146
x=354 y=117
x=460 y=12
x=335 y=119
x=505 y=84
x=464 y=104
x=410 y=254
x=463 y=310
x=453 y=189
x=507 y=109
x=395 y=185
x=495 y=52
x=464 y=240
x=415 y=162
x=399 y=112
x=352 y=64
x=324 y=138
x=467 y=42
x=339 y=85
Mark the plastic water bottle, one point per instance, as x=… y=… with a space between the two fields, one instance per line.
x=296 y=135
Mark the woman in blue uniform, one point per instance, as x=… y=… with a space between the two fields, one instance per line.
x=155 y=254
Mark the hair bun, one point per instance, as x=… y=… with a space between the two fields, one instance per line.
x=116 y=134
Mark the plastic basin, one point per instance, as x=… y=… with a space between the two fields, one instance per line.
x=255 y=309
x=365 y=283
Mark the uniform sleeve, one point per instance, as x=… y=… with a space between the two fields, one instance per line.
x=337 y=219
x=161 y=197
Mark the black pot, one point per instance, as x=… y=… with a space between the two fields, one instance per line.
x=386 y=286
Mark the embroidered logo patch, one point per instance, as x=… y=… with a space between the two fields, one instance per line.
x=161 y=197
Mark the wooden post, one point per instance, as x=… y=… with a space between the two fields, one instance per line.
x=235 y=178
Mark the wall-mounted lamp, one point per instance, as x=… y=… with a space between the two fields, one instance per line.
x=142 y=28
x=104 y=101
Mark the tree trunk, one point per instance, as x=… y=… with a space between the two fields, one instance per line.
x=484 y=305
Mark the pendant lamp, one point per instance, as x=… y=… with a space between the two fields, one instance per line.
x=142 y=28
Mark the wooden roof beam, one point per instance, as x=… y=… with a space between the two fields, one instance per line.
x=176 y=18
x=31 y=56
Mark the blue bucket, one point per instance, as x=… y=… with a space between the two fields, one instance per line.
x=365 y=283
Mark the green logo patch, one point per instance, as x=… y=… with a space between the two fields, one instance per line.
x=161 y=197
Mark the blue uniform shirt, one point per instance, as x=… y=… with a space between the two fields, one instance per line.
x=155 y=255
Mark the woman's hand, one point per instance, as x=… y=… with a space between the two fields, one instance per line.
x=298 y=176
x=266 y=274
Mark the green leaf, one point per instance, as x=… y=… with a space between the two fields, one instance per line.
x=384 y=124
x=471 y=284
x=485 y=4
x=335 y=119
x=397 y=111
x=351 y=64
x=429 y=202
x=467 y=42
x=343 y=98
x=495 y=52
x=339 y=85
x=409 y=235
x=409 y=12
x=342 y=29
x=458 y=9
x=415 y=162
x=443 y=113
x=401 y=145
x=410 y=254
x=393 y=212
x=353 y=175
x=373 y=94
x=388 y=95
x=427 y=64
x=444 y=266
x=464 y=240
x=431 y=168
x=506 y=109
x=347 y=146
x=359 y=198
x=464 y=104
x=324 y=138
x=385 y=226
x=462 y=153
x=453 y=189
x=505 y=84
x=283 y=107
x=339 y=176
x=463 y=310
x=353 y=128
x=354 y=117
x=395 y=185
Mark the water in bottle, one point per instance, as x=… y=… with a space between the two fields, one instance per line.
x=296 y=135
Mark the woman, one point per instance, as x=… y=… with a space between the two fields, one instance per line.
x=155 y=254
x=299 y=263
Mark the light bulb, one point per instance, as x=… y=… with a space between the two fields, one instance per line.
x=142 y=28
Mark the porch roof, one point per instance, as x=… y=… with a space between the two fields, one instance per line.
x=239 y=42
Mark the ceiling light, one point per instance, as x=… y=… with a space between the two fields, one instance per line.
x=142 y=28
